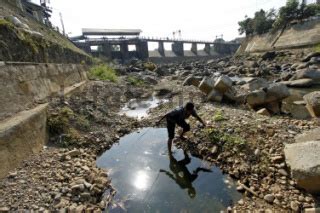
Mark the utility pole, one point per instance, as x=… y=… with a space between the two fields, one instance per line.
x=62 y=24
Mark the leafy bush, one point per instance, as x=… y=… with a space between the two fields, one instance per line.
x=103 y=72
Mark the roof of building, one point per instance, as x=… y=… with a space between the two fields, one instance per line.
x=111 y=32
x=34 y=5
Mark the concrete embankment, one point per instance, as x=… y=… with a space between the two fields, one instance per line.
x=300 y=35
x=25 y=90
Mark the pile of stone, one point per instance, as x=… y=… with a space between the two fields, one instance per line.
x=304 y=74
x=216 y=89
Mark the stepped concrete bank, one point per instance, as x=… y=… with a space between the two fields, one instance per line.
x=300 y=35
x=24 y=90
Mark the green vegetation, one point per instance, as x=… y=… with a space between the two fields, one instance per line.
x=65 y=125
x=227 y=140
x=135 y=81
x=263 y=21
x=317 y=48
x=149 y=66
x=218 y=116
x=103 y=72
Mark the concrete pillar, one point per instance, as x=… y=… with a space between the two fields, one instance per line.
x=107 y=50
x=194 y=48
x=177 y=48
x=142 y=50
x=207 y=49
x=124 y=51
x=161 y=49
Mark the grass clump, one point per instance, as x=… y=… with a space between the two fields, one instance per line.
x=226 y=140
x=218 y=116
x=103 y=72
x=135 y=81
x=317 y=48
x=64 y=126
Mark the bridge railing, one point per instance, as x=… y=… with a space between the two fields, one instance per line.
x=155 y=39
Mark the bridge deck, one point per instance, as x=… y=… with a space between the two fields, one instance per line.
x=114 y=41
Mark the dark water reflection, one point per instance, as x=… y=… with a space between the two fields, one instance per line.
x=148 y=179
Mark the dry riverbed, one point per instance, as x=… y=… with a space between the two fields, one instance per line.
x=245 y=145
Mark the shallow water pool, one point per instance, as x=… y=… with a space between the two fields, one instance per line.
x=148 y=179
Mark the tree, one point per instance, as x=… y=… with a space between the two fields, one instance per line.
x=263 y=21
x=287 y=13
x=246 y=26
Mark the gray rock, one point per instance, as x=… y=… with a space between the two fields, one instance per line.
x=206 y=85
x=191 y=80
x=313 y=103
x=310 y=55
x=264 y=111
x=255 y=98
x=277 y=92
x=215 y=96
x=269 y=198
x=304 y=161
x=312 y=135
x=313 y=74
x=223 y=84
x=305 y=82
x=256 y=84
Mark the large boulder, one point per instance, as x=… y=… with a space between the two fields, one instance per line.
x=312 y=135
x=310 y=55
x=255 y=84
x=268 y=97
x=192 y=80
x=206 y=85
x=223 y=84
x=256 y=98
x=215 y=96
x=304 y=161
x=277 y=92
x=313 y=74
x=305 y=82
x=313 y=103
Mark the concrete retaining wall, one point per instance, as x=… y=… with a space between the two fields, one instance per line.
x=24 y=91
x=301 y=35
x=21 y=136
x=22 y=85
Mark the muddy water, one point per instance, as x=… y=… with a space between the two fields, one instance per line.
x=148 y=179
x=139 y=108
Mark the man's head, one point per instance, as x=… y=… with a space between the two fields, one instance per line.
x=189 y=107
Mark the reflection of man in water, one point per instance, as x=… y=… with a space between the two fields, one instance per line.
x=181 y=175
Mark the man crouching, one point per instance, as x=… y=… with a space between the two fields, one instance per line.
x=178 y=116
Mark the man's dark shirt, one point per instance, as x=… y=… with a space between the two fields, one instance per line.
x=179 y=115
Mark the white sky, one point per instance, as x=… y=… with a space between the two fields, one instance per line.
x=197 y=19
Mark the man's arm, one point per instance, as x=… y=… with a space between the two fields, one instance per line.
x=158 y=122
x=198 y=118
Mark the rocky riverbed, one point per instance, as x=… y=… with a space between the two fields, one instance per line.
x=247 y=145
